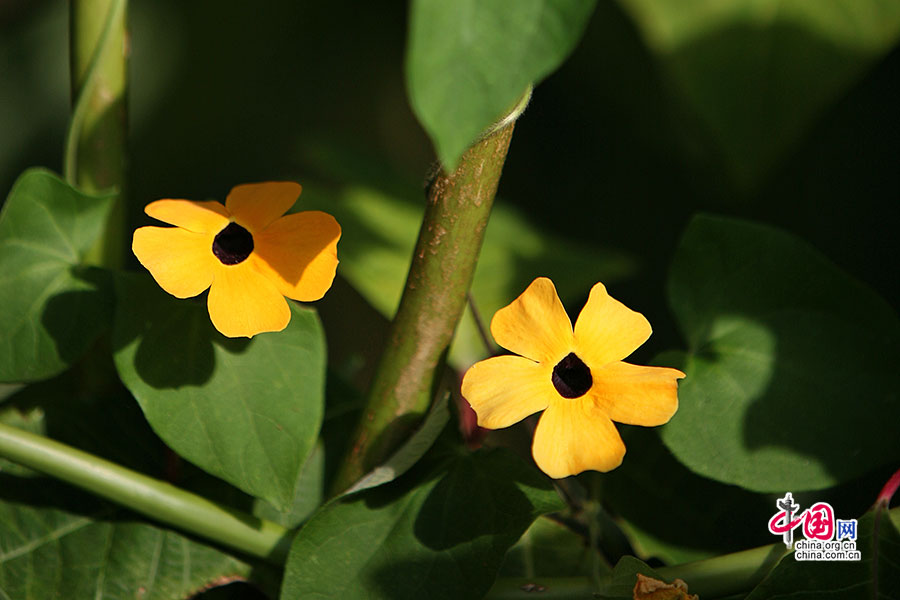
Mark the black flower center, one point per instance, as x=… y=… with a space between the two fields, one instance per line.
x=571 y=377
x=233 y=244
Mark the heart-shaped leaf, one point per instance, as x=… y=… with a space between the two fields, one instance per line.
x=247 y=411
x=468 y=61
x=757 y=74
x=51 y=307
x=791 y=366
x=438 y=535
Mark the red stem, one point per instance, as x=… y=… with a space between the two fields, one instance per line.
x=889 y=489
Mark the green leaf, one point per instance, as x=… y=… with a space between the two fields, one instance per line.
x=247 y=411
x=469 y=61
x=549 y=549
x=758 y=74
x=411 y=451
x=52 y=307
x=108 y=424
x=309 y=493
x=658 y=498
x=439 y=536
x=791 y=359
x=877 y=570
x=57 y=543
x=343 y=409
x=620 y=585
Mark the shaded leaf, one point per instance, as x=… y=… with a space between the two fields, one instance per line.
x=468 y=61
x=758 y=74
x=620 y=585
x=659 y=500
x=56 y=543
x=875 y=576
x=28 y=419
x=53 y=307
x=411 y=451
x=549 y=549
x=437 y=535
x=790 y=358
x=247 y=411
x=107 y=424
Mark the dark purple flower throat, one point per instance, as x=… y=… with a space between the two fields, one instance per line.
x=233 y=244
x=571 y=377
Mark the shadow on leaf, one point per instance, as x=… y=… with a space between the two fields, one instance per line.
x=175 y=337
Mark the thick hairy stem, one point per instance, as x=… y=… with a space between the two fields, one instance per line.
x=443 y=264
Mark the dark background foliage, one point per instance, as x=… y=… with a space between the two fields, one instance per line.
x=607 y=153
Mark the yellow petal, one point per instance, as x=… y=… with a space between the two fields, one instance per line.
x=607 y=331
x=180 y=261
x=255 y=205
x=574 y=436
x=535 y=325
x=242 y=302
x=505 y=389
x=199 y=217
x=636 y=395
x=299 y=254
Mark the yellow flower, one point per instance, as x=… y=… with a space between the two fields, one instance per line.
x=576 y=377
x=247 y=254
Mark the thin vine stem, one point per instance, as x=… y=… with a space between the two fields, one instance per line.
x=95 y=150
x=720 y=576
x=489 y=346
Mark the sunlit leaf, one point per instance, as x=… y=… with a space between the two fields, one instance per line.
x=468 y=61
x=791 y=366
x=757 y=74
x=247 y=411
x=51 y=307
x=441 y=535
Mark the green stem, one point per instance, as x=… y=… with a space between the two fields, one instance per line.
x=727 y=574
x=711 y=578
x=443 y=264
x=717 y=577
x=151 y=497
x=95 y=144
